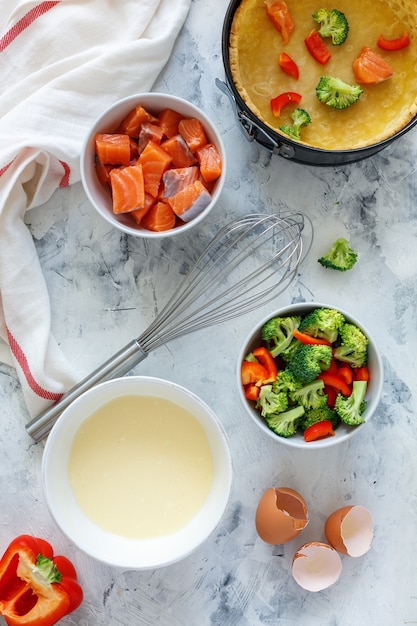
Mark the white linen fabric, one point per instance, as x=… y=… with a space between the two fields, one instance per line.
x=61 y=64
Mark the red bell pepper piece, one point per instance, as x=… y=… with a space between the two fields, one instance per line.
x=279 y=102
x=308 y=340
x=36 y=587
x=394 y=44
x=317 y=48
x=266 y=359
x=281 y=17
x=288 y=65
x=252 y=391
x=331 y=394
x=361 y=373
x=335 y=381
x=252 y=372
x=333 y=367
x=345 y=372
x=319 y=430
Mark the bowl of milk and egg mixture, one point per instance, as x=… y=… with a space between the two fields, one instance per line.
x=137 y=472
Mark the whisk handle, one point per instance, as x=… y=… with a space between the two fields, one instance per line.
x=117 y=365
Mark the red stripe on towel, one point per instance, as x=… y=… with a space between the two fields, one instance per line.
x=22 y=360
x=25 y=22
x=5 y=168
x=66 y=177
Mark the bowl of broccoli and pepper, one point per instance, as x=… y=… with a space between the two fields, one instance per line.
x=310 y=375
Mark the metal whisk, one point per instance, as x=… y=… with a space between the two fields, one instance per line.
x=249 y=262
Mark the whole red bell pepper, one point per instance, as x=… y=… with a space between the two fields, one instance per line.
x=36 y=587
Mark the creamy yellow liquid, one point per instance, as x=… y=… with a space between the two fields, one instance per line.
x=381 y=110
x=141 y=467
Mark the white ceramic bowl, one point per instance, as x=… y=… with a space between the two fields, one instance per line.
x=342 y=432
x=111 y=548
x=108 y=121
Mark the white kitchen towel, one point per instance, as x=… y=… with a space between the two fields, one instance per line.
x=61 y=64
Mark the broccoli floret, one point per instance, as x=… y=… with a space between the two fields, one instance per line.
x=278 y=333
x=353 y=346
x=350 y=408
x=310 y=396
x=270 y=402
x=286 y=354
x=323 y=323
x=285 y=424
x=340 y=257
x=336 y=93
x=308 y=361
x=319 y=414
x=300 y=118
x=332 y=24
x=285 y=382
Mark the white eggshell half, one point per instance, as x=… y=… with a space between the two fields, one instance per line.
x=350 y=530
x=316 y=566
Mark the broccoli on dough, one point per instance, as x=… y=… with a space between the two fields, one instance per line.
x=336 y=93
x=332 y=24
x=340 y=256
x=300 y=118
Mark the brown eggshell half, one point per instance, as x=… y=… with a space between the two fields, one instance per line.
x=350 y=530
x=316 y=566
x=281 y=515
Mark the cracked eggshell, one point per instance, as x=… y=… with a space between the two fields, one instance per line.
x=316 y=566
x=350 y=530
x=281 y=515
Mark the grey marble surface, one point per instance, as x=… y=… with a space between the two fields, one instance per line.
x=105 y=288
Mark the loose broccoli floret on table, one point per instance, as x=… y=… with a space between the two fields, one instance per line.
x=300 y=119
x=336 y=93
x=340 y=257
x=319 y=414
x=270 y=402
x=324 y=323
x=333 y=23
x=278 y=333
x=310 y=396
x=350 y=408
x=285 y=424
x=353 y=346
x=308 y=361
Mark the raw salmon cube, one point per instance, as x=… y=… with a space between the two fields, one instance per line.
x=133 y=121
x=168 y=120
x=192 y=131
x=179 y=151
x=176 y=179
x=128 y=189
x=155 y=161
x=149 y=132
x=190 y=201
x=138 y=214
x=210 y=162
x=160 y=217
x=112 y=149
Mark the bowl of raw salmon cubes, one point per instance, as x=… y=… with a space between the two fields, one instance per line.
x=153 y=165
